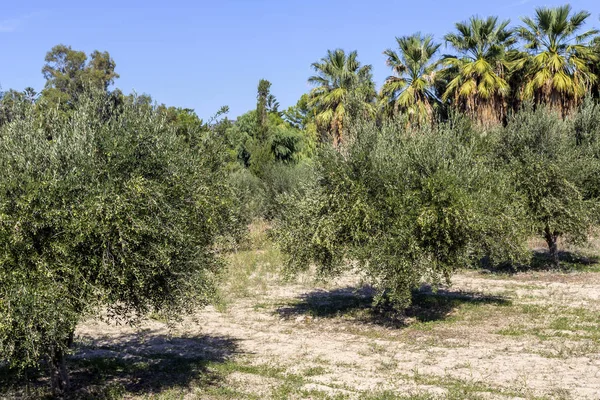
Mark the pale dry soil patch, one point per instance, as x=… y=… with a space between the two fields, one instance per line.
x=532 y=335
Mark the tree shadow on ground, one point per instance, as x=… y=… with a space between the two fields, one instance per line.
x=569 y=261
x=141 y=364
x=541 y=261
x=357 y=304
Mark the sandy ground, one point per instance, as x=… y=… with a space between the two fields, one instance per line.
x=343 y=351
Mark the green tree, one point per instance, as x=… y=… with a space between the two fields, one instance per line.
x=261 y=137
x=586 y=126
x=403 y=205
x=239 y=136
x=261 y=155
x=273 y=105
x=550 y=170
x=477 y=76
x=262 y=112
x=68 y=74
x=300 y=114
x=185 y=121
x=10 y=105
x=558 y=65
x=115 y=216
x=337 y=76
x=412 y=88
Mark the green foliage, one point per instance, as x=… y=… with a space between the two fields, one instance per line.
x=552 y=172
x=286 y=144
x=110 y=215
x=281 y=180
x=300 y=114
x=269 y=147
x=273 y=105
x=262 y=137
x=239 y=136
x=402 y=204
x=264 y=89
x=250 y=190
x=261 y=157
x=559 y=59
x=11 y=105
x=269 y=166
x=68 y=74
x=411 y=90
x=477 y=75
x=261 y=197
x=185 y=120
x=586 y=125
x=339 y=75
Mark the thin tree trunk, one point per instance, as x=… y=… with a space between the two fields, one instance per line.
x=551 y=240
x=59 y=375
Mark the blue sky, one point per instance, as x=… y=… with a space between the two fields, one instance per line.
x=205 y=54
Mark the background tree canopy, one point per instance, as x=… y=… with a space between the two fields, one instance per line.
x=68 y=73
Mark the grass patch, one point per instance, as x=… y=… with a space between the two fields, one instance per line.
x=546 y=322
x=459 y=389
x=314 y=371
x=252 y=268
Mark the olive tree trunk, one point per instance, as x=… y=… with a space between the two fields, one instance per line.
x=552 y=241
x=59 y=374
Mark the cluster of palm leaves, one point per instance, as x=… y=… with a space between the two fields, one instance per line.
x=548 y=59
x=337 y=76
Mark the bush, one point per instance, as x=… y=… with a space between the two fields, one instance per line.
x=404 y=205
x=112 y=215
x=259 y=198
x=250 y=191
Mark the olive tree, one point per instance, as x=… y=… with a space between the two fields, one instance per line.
x=112 y=216
x=553 y=167
x=403 y=204
x=586 y=126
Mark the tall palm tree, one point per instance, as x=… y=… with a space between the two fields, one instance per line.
x=411 y=89
x=337 y=77
x=477 y=76
x=559 y=60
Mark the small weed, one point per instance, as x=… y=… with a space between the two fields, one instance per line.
x=314 y=371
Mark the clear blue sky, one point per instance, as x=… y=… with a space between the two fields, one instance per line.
x=205 y=54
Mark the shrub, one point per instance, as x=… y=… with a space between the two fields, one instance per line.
x=250 y=190
x=259 y=198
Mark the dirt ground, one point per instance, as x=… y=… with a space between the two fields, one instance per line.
x=532 y=335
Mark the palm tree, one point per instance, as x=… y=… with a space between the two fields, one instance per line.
x=559 y=61
x=411 y=89
x=596 y=66
x=477 y=76
x=337 y=77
